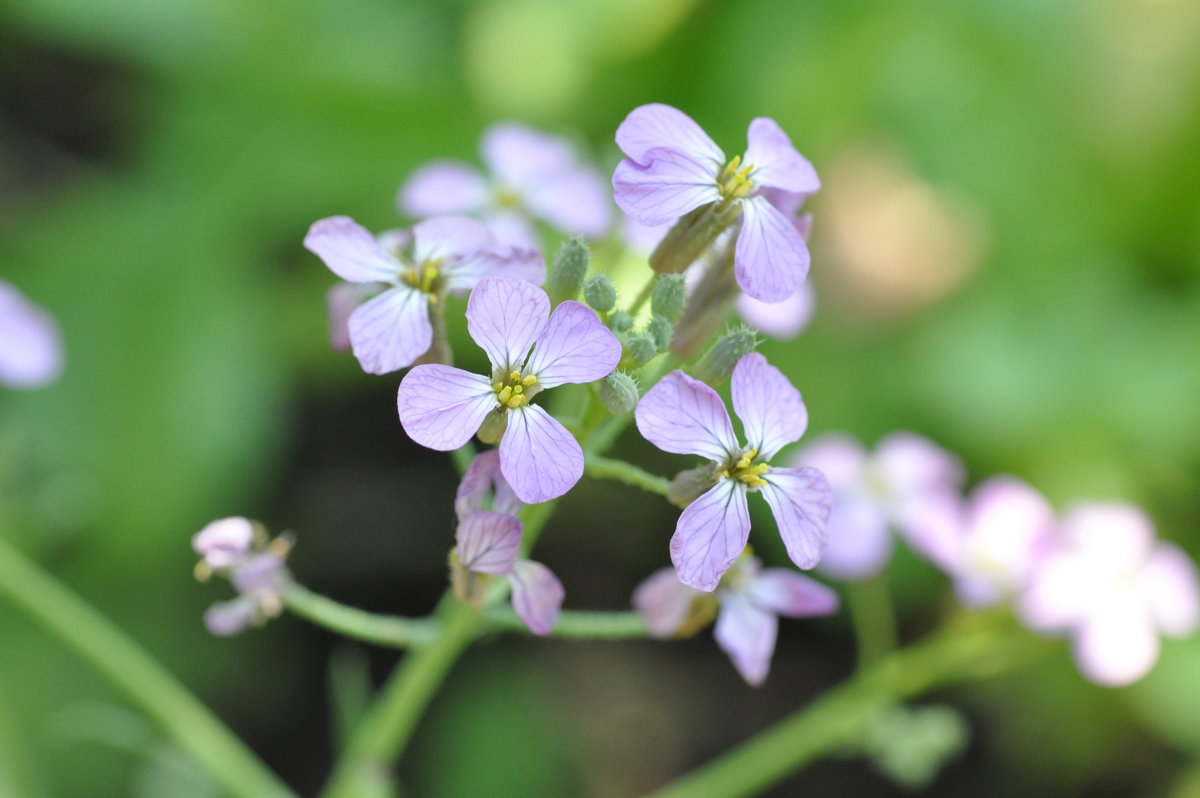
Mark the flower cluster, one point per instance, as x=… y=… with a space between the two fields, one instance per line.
x=238 y=549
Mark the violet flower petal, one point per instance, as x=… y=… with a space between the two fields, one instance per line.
x=1168 y=582
x=1061 y=594
x=908 y=463
x=656 y=125
x=392 y=330
x=441 y=407
x=512 y=229
x=772 y=412
x=341 y=300
x=782 y=320
x=710 y=535
x=794 y=595
x=442 y=187
x=840 y=457
x=487 y=542
x=770 y=259
x=31 y=350
x=667 y=187
x=537 y=596
x=262 y=572
x=776 y=161
x=540 y=459
x=223 y=542
x=682 y=415
x=747 y=634
x=859 y=541
x=664 y=602
x=575 y=347
x=505 y=317
x=1117 y=646
x=510 y=262
x=483 y=476
x=350 y=251
x=1111 y=535
x=449 y=237
x=521 y=157
x=227 y=618
x=801 y=501
x=576 y=202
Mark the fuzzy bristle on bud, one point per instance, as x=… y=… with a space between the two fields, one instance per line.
x=620 y=321
x=618 y=392
x=570 y=267
x=660 y=329
x=600 y=293
x=669 y=296
x=640 y=349
x=718 y=362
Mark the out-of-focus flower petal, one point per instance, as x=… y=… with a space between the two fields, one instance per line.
x=228 y=618
x=350 y=251
x=788 y=593
x=1168 y=581
x=483 y=476
x=859 y=541
x=801 y=501
x=840 y=457
x=262 y=572
x=1116 y=647
x=772 y=412
x=770 y=259
x=932 y=525
x=783 y=320
x=520 y=157
x=31 y=351
x=1111 y=535
x=710 y=535
x=642 y=239
x=537 y=596
x=442 y=187
x=684 y=416
x=510 y=262
x=441 y=407
x=511 y=229
x=656 y=125
x=540 y=459
x=1061 y=594
x=505 y=317
x=449 y=237
x=907 y=463
x=487 y=542
x=575 y=347
x=788 y=203
x=341 y=300
x=776 y=162
x=669 y=185
x=746 y=632
x=392 y=330
x=576 y=202
x=664 y=602
x=222 y=543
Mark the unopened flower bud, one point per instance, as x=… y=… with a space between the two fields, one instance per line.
x=600 y=293
x=669 y=296
x=620 y=321
x=660 y=329
x=689 y=485
x=225 y=542
x=618 y=392
x=640 y=349
x=570 y=267
x=493 y=426
x=718 y=362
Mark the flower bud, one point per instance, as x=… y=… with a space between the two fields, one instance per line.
x=689 y=485
x=660 y=329
x=669 y=296
x=912 y=745
x=620 y=321
x=618 y=392
x=600 y=293
x=718 y=362
x=570 y=266
x=493 y=426
x=640 y=349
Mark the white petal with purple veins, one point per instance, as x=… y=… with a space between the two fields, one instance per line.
x=665 y=188
x=449 y=237
x=538 y=456
x=511 y=262
x=710 y=535
x=664 y=602
x=772 y=412
x=575 y=347
x=341 y=300
x=800 y=499
x=771 y=259
x=682 y=415
x=776 y=162
x=747 y=634
x=537 y=596
x=505 y=317
x=656 y=125
x=392 y=330
x=350 y=251
x=483 y=477
x=487 y=542
x=794 y=595
x=441 y=407
x=442 y=187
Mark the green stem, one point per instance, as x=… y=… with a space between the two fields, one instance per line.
x=146 y=683
x=642 y=296
x=384 y=630
x=873 y=618
x=609 y=468
x=577 y=625
x=463 y=456
x=18 y=775
x=837 y=718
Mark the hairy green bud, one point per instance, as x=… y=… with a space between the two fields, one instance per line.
x=620 y=321
x=718 y=362
x=669 y=296
x=660 y=329
x=570 y=267
x=493 y=426
x=640 y=349
x=600 y=293
x=618 y=392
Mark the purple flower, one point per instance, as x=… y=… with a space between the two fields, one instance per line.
x=442 y=407
x=750 y=601
x=31 y=352
x=684 y=416
x=238 y=548
x=531 y=174
x=673 y=168
x=1113 y=589
x=410 y=272
x=905 y=483
x=227 y=541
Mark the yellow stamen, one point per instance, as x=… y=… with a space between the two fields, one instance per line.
x=514 y=376
x=530 y=380
x=504 y=394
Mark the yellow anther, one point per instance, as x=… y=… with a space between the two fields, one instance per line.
x=515 y=401
x=530 y=380
x=761 y=468
x=734 y=182
x=514 y=376
x=496 y=386
x=730 y=168
x=518 y=389
x=752 y=480
x=505 y=394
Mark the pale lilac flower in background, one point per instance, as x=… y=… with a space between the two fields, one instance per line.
x=672 y=168
x=441 y=407
x=223 y=543
x=530 y=174
x=31 y=351
x=908 y=483
x=1113 y=589
x=684 y=416
x=260 y=580
x=751 y=599
x=409 y=272
x=483 y=487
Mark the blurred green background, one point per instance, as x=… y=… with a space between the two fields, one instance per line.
x=1007 y=259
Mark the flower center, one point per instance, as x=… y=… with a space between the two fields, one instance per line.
x=424 y=277
x=507 y=198
x=734 y=181
x=515 y=390
x=745 y=470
